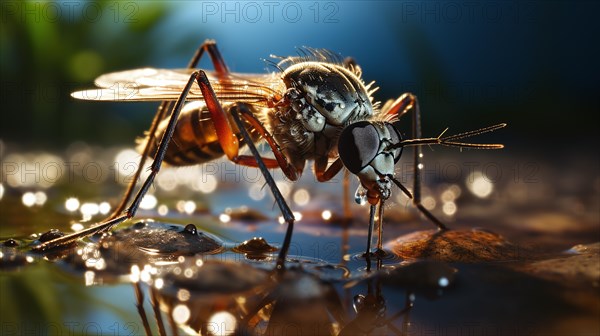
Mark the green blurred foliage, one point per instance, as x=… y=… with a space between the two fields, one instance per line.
x=52 y=306
x=48 y=49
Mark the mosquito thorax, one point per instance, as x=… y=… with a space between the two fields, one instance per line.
x=364 y=149
x=320 y=93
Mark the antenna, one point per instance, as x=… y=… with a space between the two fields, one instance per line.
x=450 y=140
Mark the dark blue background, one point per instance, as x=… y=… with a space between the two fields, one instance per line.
x=533 y=65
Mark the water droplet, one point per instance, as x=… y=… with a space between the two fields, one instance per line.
x=191 y=229
x=139 y=225
x=52 y=234
x=360 y=196
x=11 y=243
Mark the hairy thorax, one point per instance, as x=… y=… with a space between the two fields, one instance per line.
x=321 y=99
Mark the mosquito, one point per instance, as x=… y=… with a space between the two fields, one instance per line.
x=315 y=106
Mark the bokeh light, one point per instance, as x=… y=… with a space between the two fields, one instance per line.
x=224 y=322
x=76 y=227
x=88 y=210
x=181 y=314
x=479 y=185
x=301 y=197
x=449 y=208
x=72 y=204
x=104 y=208
x=148 y=202
x=189 y=207
x=40 y=198
x=163 y=210
x=256 y=192
x=28 y=199
x=429 y=202
x=205 y=184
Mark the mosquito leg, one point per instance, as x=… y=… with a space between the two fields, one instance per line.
x=324 y=173
x=282 y=162
x=230 y=146
x=154 y=168
x=409 y=103
x=164 y=143
x=157 y=312
x=380 y=228
x=370 y=235
x=288 y=216
x=160 y=114
x=210 y=47
x=346 y=192
x=139 y=297
x=408 y=305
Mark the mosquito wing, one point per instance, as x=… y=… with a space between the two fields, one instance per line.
x=149 y=84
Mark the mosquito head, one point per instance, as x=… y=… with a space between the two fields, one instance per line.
x=365 y=149
x=321 y=93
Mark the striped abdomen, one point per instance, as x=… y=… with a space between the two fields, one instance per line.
x=194 y=140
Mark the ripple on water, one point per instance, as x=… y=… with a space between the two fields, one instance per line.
x=422 y=275
x=144 y=243
x=11 y=258
x=196 y=291
x=169 y=240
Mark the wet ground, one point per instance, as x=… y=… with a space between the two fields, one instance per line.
x=522 y=256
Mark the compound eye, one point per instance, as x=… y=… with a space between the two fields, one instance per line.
x=358 y=145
